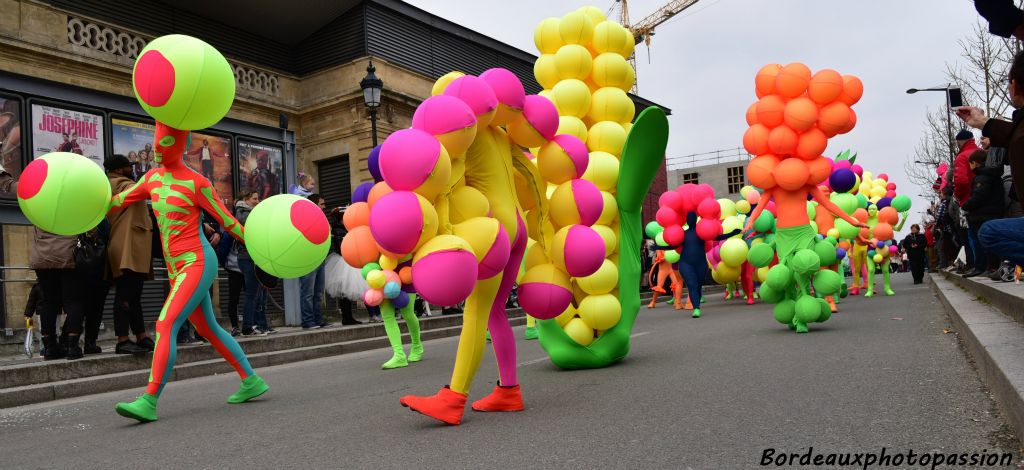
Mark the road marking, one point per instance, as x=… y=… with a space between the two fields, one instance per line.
x=535 y=361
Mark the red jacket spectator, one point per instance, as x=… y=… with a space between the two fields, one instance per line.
x=929 y=236
x=963 y=175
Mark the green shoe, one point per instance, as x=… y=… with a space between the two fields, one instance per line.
x=889 y=292
x=142 y=409
x=488 y=336
x=696 y=313
x=416 y=353
x=395 y=362
x=251 y=387
x=531 y=333
x=801 y=327
x=869 y=294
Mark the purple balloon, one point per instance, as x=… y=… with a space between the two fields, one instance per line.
x=362 y=192
x=840 y=253
x=842 y=180
x=373 y=162
x=401 y=301
x=883 y=202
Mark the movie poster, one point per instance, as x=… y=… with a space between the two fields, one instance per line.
x=210 y=155
x=10 y=138
x=261 y=168
x=134 y=140
x=64 y=130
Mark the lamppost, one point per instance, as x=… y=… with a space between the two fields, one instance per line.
x=949 y=122
x=372 y=86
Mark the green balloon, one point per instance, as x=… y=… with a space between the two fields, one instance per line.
x=846 y=201
x=827 y=282
x=765 y=222
x=811 y=209
x=862 y=201
x=846 y=230
x=779 y=277
x=660 y=239
x=814 y=226
x=826 y=311
x=901 y=203
x=373 y=266
x=826 y=253
x=69 y=193
x=652 y=229
x=277 y=245
x=672 y=256
x=833 y=241
x=770 y=295
x=805 y=261
x=843 y=290
x=807 y=309
x=770 y=239
x=784 y=311
x=761 y=255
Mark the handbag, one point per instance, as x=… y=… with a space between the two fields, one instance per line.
x=90 y=253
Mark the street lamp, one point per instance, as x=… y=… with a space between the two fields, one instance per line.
x=947 y=88
x=372 y=86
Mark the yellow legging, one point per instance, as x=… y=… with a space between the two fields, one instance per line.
x=472 y=339
x=859 y=259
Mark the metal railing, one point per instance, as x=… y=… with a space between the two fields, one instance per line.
x=708 y=158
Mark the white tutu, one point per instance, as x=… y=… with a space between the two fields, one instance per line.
x=343 y=281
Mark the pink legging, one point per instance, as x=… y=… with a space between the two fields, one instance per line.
x=502 y=339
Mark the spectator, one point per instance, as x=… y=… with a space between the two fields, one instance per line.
x=7 y=183
x=304 y=187
x=1004 y=18
x=129 y=261
x=963 y=173
x=913 y=246
x=343 y=291
x=984 y=204
x=312 y=286
x=254 y=311
x=53 y=259
x=97 y=288
x=227 y=255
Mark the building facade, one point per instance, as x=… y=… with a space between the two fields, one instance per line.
x=298 y=106
x=724 y=170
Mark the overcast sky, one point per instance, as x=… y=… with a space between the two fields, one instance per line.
x=703 y=62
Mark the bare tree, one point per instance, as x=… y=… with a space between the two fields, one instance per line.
x=931 y=151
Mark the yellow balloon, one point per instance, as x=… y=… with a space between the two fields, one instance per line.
x=535 y=256
x=743 y=207
x=376 y=279
x=545 y=71
x=572 y=98
x=606 y=136
x=564 y=317
x=600 y=312
x=610 y=69
x=480 y=233
x=865 y=189
x=602 y=170
x=388 y=263
x=610 y=211
x=572 y=125
x=578 y=330
x=443 y=82
x=612 y=37
x=555 y=165
x=611 y=104
x=878 y=192
x=602 y=282
x=879 y=182
x=625 y=125
x=727 y=273
x=576 y=28
x=573 y=61
x=547 y=36
x=594 y=13
x=611 y=241
x=877 y=258
x=867 y=176
x=728 y=208
x=762 y=273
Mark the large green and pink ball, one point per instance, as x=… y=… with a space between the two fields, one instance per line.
x=536 y=125
x=477 y=94
x=563 y=158
x=414 y=160
x=577 y=250
x=509 y=91
x=402 y=221
x=576 y=202
x=545 y=291
x=444 y=270
x=287 y=236
x=448 y=119
x=183 y=82
x=64 y=193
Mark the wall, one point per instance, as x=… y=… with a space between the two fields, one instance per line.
x=714 y=175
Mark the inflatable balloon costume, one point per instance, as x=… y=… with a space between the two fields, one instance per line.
x=789 y=129
x=186 y=84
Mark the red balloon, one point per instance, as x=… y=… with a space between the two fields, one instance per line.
x=701 y=192
x=709 y=229
x=673 y=235
x=709 y=209
x=883 y=176
x=686 y=191
x=889 y=186
x=671 y=199
x=666 y=217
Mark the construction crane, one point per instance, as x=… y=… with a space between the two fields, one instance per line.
x=644 y=29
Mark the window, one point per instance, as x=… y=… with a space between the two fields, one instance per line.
x=735 y=179
x=334 y=183
x=690 y=178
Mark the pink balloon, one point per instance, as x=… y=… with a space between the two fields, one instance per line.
x=841 y=164
x=542 y=115
x=673 y=234
x=890 y=186
x=890 y=193
x=476 y=93
x=396 y=221
x=373 y=297
x=576 y=150
x=506 y=86
x=586 y=253
x=442 y=114
x=770 y=207
x=703 y=191
x=858 y=170
x=667 y=218
x=709 y=209
x=390 y=276
x=588 y=199
x=709 y=229
x=671 y=199
x=408 y=158
x=753 y=197
x=883 y=176
x=686 y=191
x=893 y=249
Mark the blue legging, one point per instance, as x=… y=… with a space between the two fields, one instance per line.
x=693 y=277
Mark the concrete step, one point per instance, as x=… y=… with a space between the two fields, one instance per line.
x=1007 y=297
x=992 y=338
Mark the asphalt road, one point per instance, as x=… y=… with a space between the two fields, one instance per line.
x=701 y=393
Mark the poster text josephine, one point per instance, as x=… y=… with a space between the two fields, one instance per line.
x=84 y=129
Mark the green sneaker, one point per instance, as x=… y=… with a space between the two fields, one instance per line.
x=696 y=313
x=801 y=327
x=889 y=292
x=142 y=409
x=488 y=336
x=396 y=361
x=531 y=333
x=252 y=387
x=416 y=353
x=869 y=294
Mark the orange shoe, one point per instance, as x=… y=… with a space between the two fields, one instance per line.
x=689 y=306
x=501 y=399
x=659 y=290
x=447 y=406
x=831 y=303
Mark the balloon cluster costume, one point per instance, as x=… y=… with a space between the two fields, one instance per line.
x=789 y=129
x=667 y=270
x=185 y=84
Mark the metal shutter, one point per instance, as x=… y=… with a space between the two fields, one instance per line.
x=335 y=181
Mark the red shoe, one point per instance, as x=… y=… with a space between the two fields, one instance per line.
x=501 y=399
x=750 y=301
x=659 y=289
x=855 y=290
x=447 y=406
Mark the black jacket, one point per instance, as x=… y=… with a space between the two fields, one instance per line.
x=987 y=201
x=1011 y=136
x=1003 y=16
x=914 y=245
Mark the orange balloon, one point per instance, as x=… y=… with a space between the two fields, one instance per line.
x=844 y=245
x=770 y=110
x=782 y=140
x=849 y=124
x=811 y=144
x=759 y=171
x=853 y=89
x=865 y=233
x=792 y=80
x=861 y=214
x=378 y=191
x=359 y=248
x=888 y=215
x=755 y=140
x=764 y=82
x=356 y=215
x=883 y=231
x=800 y=114
x=825 y=86
x=820 y=168
x=752 y=115
x=405 y=274
x=791 y=174
x=833 y=118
